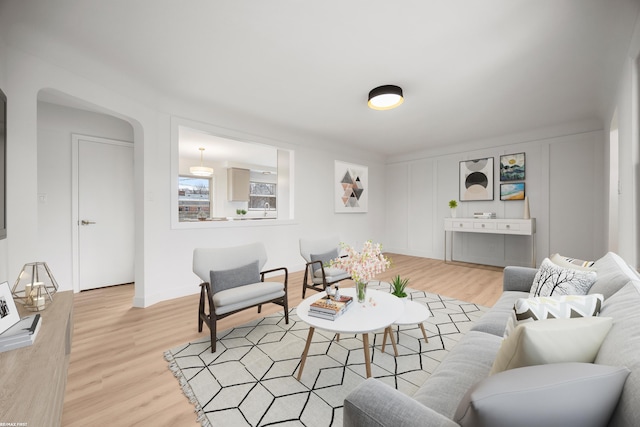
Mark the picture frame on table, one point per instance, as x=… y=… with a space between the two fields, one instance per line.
x=9 y=315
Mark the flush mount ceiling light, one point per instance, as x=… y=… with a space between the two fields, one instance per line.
x=201 y=170
x=385 y=97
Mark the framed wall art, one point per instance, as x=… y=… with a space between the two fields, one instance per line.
x=512 y=167
x=476 y=179
x=9 y=315
x=351 y=188
x=513 y=191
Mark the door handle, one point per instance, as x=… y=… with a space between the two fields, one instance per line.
x=85 y=222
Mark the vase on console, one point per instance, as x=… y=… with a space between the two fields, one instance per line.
x=453 y=205
x=526 y=214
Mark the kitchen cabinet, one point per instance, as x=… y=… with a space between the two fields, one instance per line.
x=237 y=185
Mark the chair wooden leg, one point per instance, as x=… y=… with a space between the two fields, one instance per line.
x=260 y=308
x=285 y=304
x=212 y=328
x=201 y=309
x=304 y=282
x=203 y=317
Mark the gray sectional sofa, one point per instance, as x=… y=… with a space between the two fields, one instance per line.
x=436 y=403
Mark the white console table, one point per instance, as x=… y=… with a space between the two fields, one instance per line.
x=507 y=226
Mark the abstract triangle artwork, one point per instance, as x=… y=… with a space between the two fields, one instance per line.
x=351 y=193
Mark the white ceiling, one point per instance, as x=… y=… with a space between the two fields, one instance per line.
x=469 y=69
x=228 y=152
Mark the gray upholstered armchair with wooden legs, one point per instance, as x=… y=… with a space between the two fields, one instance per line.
x=233 y=280
x=317 y=252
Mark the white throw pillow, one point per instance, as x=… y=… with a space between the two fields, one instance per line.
x=575 y=263
x=552 y=341
x=555 y=307
x=552 y=279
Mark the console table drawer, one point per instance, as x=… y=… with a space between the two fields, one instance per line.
x=484 y=225
x=462 y=225
x=509 y=226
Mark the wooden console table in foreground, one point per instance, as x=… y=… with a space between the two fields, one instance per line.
x=34 y=377
x=506 y=226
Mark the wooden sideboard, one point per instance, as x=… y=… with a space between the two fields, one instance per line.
x=506 y=226
x=33 y=378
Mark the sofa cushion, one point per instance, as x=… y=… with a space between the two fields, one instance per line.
x=568 y=262
x=552 y=341
x=466 y=364
x=373 y=403
x=567 y=394
x=613 y=274
x=495 y=320
x=552 y=279
x=556 y=307
x=621 y=347
x=245 y=296
x=234 y=277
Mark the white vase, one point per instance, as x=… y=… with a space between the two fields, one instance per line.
x=453 y=212
x=526 y=214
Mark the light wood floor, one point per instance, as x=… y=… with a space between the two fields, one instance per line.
x=118 y=375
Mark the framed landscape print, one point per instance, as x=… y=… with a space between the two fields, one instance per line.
x=476 y=179
x=513 y=191
x=351 y=188
x=512 y=167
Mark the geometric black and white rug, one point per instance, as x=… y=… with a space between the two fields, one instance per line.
x=250 y=379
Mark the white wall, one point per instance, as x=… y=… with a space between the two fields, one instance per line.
x=626 y=104
x=163 y=254
x=564 y=183
x=55 y=126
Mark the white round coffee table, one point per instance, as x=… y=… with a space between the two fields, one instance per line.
x=414 y=313
x=379 y=311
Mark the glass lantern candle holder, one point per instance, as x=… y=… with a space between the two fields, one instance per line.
x=35 y=286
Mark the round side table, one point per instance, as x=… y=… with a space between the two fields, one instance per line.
x=414 y=313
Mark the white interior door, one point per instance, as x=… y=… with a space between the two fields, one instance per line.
x=105 y=212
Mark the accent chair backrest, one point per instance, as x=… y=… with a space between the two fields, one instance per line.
x=207 y=259
x=318 y=245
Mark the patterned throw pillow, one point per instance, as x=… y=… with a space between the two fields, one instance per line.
x=556 y=307
x=552 y=279
x=578 y=264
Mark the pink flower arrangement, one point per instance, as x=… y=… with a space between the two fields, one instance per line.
x=362 y=266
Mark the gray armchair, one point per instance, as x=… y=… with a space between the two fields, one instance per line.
x=317 y=252
x=232 y=281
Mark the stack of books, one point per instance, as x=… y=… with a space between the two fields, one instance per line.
x=330 y=309
x=485 y=215
x=21 y=334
